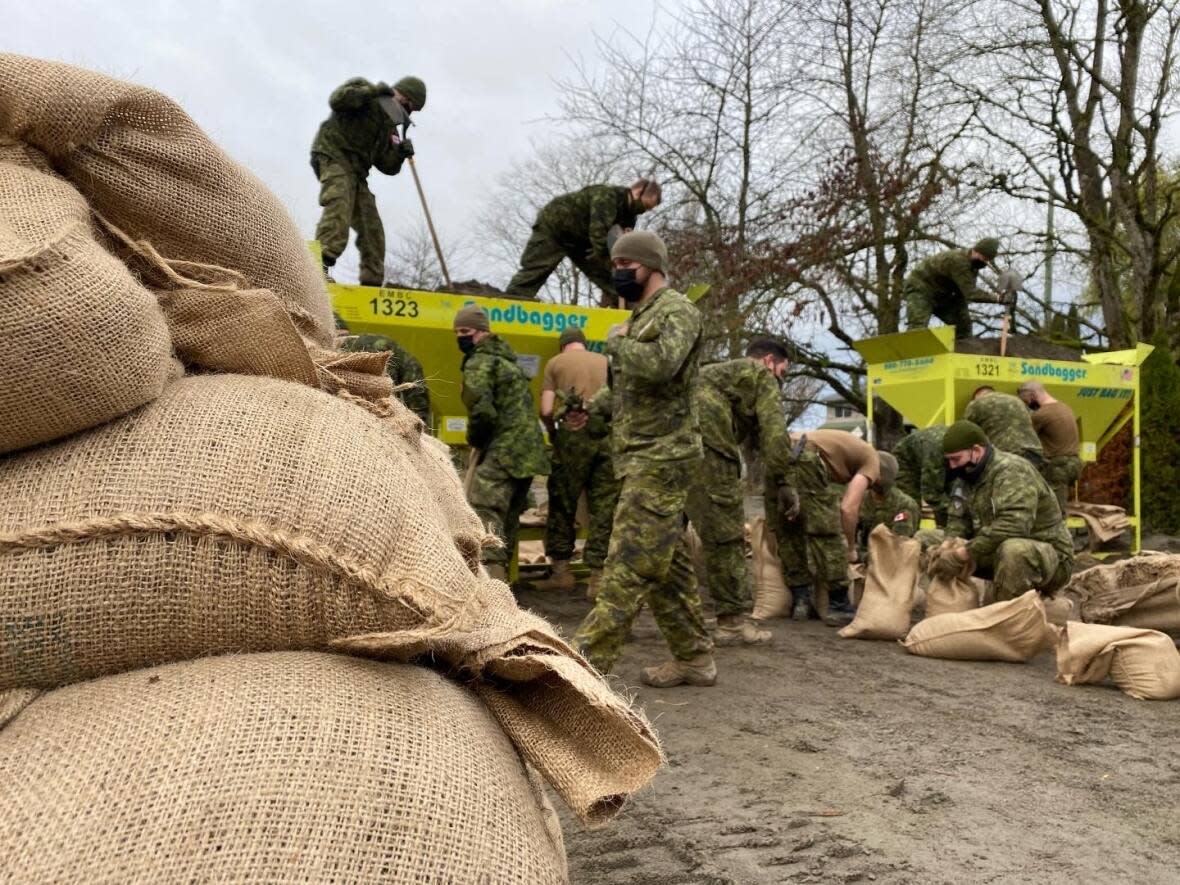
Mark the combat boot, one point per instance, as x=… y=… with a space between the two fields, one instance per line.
x=803 y=609
x=560 y=577
x=739 y=630
x=840 y=609
x=699 y=671
x=595 y=581
x=497 y=570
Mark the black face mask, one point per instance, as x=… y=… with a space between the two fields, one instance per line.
x=1033 y=406
x=628 y=287
x=977 y=264
x=466 y=343
x=971 y=472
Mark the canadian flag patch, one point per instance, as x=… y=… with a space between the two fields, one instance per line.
x=900 y=517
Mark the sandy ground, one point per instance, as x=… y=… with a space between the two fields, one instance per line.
x=829 y=760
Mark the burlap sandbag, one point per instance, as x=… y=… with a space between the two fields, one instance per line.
x=1006 y=631
x=950 y=595
x=772 y=597
x=148 y=169
x=81 y=341
x=1143 y=663
x=888 y=597
x=1143 y=591
x=284 y=767
x=249 y=514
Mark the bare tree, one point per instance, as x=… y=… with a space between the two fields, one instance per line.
x=411 y=261
x=1074 y=94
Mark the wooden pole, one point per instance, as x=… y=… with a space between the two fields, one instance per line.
x=430 y=223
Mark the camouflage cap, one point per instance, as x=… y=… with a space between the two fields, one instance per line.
x=413 y=89
x=988 y=247
x=642 y=246
x=963 y=435
x=888 y=470
x=473 y=317
x=569 y=335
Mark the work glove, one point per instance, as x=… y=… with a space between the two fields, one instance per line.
x=406 y=149
x=788 y=503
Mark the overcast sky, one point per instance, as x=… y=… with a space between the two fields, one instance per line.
x=256 y=76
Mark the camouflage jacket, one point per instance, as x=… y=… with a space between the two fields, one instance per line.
x=1007 y=423
x=1010 y=500
x=650 y=400
x=580 y=220
x=501 y=418
x=734 y=400
x=358 y=130
x=897 y=510
x=948 y=274
x=919 y=455
x=402 y=367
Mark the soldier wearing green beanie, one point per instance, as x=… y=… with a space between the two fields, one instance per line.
x=365 y=129
x=1001 y=505
x=946 y=282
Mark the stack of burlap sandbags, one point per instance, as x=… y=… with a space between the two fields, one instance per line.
x=273 y=505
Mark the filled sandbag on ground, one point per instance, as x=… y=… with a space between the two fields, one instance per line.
x=250 y=514
x=150 y=171
x=888 y=598
x=282 y=767
x=1013 y=631
x=81 y=341
x=1143 y=663
x=772 y=597
x=1143 y=591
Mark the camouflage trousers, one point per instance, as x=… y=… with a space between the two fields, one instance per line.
x=348 y=202
x=1061 y=473
x=648 y=563
x=715 y=509
x=811 y=546
x=580 y=463
x=951 y=309
x=540 y=258
x=1022 y=564
x=498 y=498
x=925 y=480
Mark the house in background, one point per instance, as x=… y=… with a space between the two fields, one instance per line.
x=840 y=415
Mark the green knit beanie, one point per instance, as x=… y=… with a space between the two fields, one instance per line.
x=642 y=246
x=413 y=89
x=988 y=247
x=963 y=435
x=569 y=335
x=473 y=317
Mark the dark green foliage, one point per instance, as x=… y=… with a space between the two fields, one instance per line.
x=1160 y=439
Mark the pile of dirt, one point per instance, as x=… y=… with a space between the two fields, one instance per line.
x=1027 y=346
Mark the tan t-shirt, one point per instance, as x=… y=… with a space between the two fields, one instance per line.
x=581 y=370
x=1057 y=428
x=844 y=455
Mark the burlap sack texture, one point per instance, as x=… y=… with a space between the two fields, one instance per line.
x=233 y=276
x=250 y=514
x=890 y=576
x=81 y=341
x=283 y=767
x=1143 y=591
x=950 y=595
x=772 y=597
x=1013 y=631
x=1143 y=663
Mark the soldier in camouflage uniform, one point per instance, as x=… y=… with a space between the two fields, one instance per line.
x=1015 y=533
x=403 y=367
x=736 y=400
x=945 y=283
x=503 y=431
x=921 y=469
x=362 y=132
x=581 y=462
x=575 y=226
x=656 y=445
x=1005 y=420
x=888 y=505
